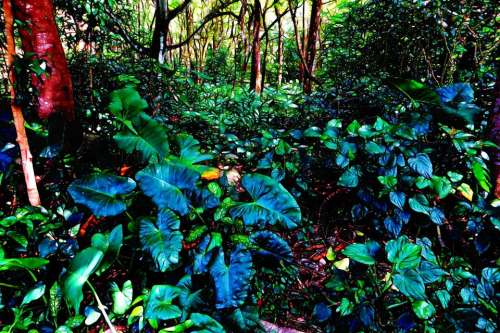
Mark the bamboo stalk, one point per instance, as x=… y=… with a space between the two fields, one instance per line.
x=17 y=114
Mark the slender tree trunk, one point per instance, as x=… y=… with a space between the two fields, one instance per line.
x=495 y=135
x=256 y=75
x=22 y=139
x=40 y=36
x=280 y=48
x=311 y=43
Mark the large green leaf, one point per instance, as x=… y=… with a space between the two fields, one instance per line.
x=149 y=138
x=403 y=254
x=410 y=283
x=81 y=267
x=159 y=305
x=188 y=299
x=100 y=193
x=271 y=203
x=126 y=104
x=164 y=183
x=232 y=282
x=205 y=324
x=111 y=245
x=165 y=242
x=359 y=253
x=190 y=150
x=417 y=91
x=21 y=263
x=268 y=245
x=421 y=164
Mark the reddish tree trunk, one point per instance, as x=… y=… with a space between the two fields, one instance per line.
x=17 y=114
x=40 y=36
x=256 y=75
x=311 y=43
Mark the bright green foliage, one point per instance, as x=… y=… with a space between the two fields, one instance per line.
x=148 y=137
x=82 y=266
x=159 y=305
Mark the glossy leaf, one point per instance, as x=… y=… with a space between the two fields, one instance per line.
x=80 y=269
x=159 y=305
x=100 y=193
x=165 y=182
x=149 y=138
x=163 y=241
x=122 y=298
x=271 y=203
x=232 y=282
x=359 y=253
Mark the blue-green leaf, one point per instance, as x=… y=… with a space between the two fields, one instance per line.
x=398 y=199
x=421 y=164
x=122 y=298
x=100 y=193
x=165 y=242
x=34 y=294
x=80 y=269
x=271 y=246
x=149 y=138
x=350 y=177
x=232 y=282
x=410 y=284
x=159 y=305
x=205 y=324
x=359 y=253
x=271 y=203
x=164 y=184
x=190 y=150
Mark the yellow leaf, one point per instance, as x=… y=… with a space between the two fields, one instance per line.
x=211 y=174
x=330 y=255
x=343 y=264
x=466 y=191
x=137 y=311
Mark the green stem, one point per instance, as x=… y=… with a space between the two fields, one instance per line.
x=9 y=285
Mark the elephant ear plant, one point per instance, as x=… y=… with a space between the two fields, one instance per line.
x=200 y=229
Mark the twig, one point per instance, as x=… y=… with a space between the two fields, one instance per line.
x=102 y=308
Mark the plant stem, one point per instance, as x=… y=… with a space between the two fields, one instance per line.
x=102 y=308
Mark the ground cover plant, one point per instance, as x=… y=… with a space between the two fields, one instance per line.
x=249 y=166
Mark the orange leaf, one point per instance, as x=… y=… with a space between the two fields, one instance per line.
x=211 y=174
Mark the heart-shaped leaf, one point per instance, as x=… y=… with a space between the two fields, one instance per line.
x=159 y=305
x=149 y=138
x=271 y=203
x=164 y=183
x=100 y=193
x=232 y=282
x=122 y=298
x=165 y=242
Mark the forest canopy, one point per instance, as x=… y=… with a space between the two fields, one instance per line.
x=249 y=166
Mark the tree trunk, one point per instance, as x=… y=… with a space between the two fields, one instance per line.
x=495 y=135
x=158 y=42
x=256 y=75
x=313 y=36
x=280 y=48
x=40 y=36
x=22 y=139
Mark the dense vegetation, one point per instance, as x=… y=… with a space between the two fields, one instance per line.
x=249 y=166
